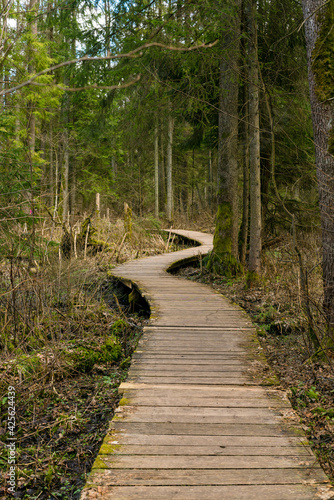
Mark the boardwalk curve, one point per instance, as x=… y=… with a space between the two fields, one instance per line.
x=192 y=424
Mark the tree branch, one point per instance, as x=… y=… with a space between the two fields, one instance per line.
x=132 y=54
x=312 y=14
x=89 y=87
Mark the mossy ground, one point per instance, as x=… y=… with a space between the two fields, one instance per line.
x=221 y=261
x=66 y=352
x=61 y=422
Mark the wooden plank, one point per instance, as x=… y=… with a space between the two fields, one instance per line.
x=282 y=441
x=208 y=462
x=190 y=372
x=199 y=429
x=200 y=415
x=171 y=363
x=235 y=358
x=273 y=492
x=194 y=380
x=209 y=391
x=185 y=369
x=238 y=477
x=127 y=449
x=237 y=380
x=136 y=400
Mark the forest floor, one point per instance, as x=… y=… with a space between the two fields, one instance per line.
x=67 y=335
x=282 y=331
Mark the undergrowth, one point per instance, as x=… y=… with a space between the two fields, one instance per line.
x=66 y=339
x=277 y=305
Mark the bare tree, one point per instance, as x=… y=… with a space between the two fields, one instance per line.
x=224 y=257
x=254 y=264
x=315 y=12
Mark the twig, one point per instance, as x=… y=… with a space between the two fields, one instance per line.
x=169 y=234
x=120 y=247
x=86 y=241
x=120 y=309
x=94 y=86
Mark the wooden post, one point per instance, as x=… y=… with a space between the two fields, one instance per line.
x=98 y=204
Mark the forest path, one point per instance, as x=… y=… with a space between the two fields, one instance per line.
x=192 y=423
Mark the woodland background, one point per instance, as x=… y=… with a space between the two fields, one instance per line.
x=119 y=118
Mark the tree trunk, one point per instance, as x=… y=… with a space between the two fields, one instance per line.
x=156 y=171
x=162 y=180
x=73 y=189
x=224 y=258
x=322 y=118
x=245 y=199
x=31 y=68
x=65 y=176
x=210 y=180
x=169 y=169
x=255 y=244
x=51 y=165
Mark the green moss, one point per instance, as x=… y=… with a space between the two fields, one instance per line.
x=28 y=365
x=99 y=464
x=221 y=260
x=270 y=381
x=323 y=61
x=252 y=279
x=323 y=54
x=222 y=242
x=108 y=449
x=83 y=359
x=124 y=402
x=119 y=327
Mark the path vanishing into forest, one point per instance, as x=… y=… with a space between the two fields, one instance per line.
x=193 y=423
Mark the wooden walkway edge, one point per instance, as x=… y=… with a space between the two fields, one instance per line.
x=192 y=424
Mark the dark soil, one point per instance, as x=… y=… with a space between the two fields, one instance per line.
x=60 y=424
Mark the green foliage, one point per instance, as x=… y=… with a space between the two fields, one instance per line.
x=119 y=327
x=304 y=396
x=221 y=261
x=83 y=359
x=323 y=60
x=323 y=54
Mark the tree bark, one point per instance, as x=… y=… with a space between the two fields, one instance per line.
x=255 y=243
x=170 y=168
x=245 y=199
x=162 y=179
x=73 y=194
x=65 y=176
x=322 y=118
x=33 y=6
x=156 y=171
x=224 y=258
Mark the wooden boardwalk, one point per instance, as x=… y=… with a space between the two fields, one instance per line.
x=192 y=423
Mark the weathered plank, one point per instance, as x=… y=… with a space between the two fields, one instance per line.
x=286 y=441
x=282 y=492
x=197 y=429
x=210 y=462
x=194 y=402
x=200 y=415
x=195 y=477
x=235 y=451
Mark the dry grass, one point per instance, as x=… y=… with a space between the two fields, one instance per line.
x=65 y=338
